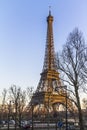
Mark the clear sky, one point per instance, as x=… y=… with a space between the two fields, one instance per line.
x=23 y=30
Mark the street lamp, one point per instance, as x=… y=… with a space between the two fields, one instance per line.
x=57 y=89
x=48 y=109
x=9 y=112
x=32 y=114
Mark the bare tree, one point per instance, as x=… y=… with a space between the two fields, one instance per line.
x=29 y=92
x=71 y=62
x=14 y=96
x=3 y=107
x=17 y=97
x=84 y=101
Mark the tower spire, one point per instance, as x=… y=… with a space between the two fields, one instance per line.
x=49 y=10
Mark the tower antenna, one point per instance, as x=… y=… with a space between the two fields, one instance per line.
x=49 y=10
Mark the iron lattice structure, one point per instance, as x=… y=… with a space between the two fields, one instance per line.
x=45 y=93
x=49 y=76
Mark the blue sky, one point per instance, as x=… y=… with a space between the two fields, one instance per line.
x=23 y=30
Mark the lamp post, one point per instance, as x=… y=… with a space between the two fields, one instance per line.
x=48 y=111
x=57 y=89
x=32 y=114
x=16 y=110
x=66 y=107
x=9 y=112
x=49 y=101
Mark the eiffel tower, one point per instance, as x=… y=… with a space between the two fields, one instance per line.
x=45 y=95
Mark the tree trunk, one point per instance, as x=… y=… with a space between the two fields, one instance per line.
x=79 y=111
